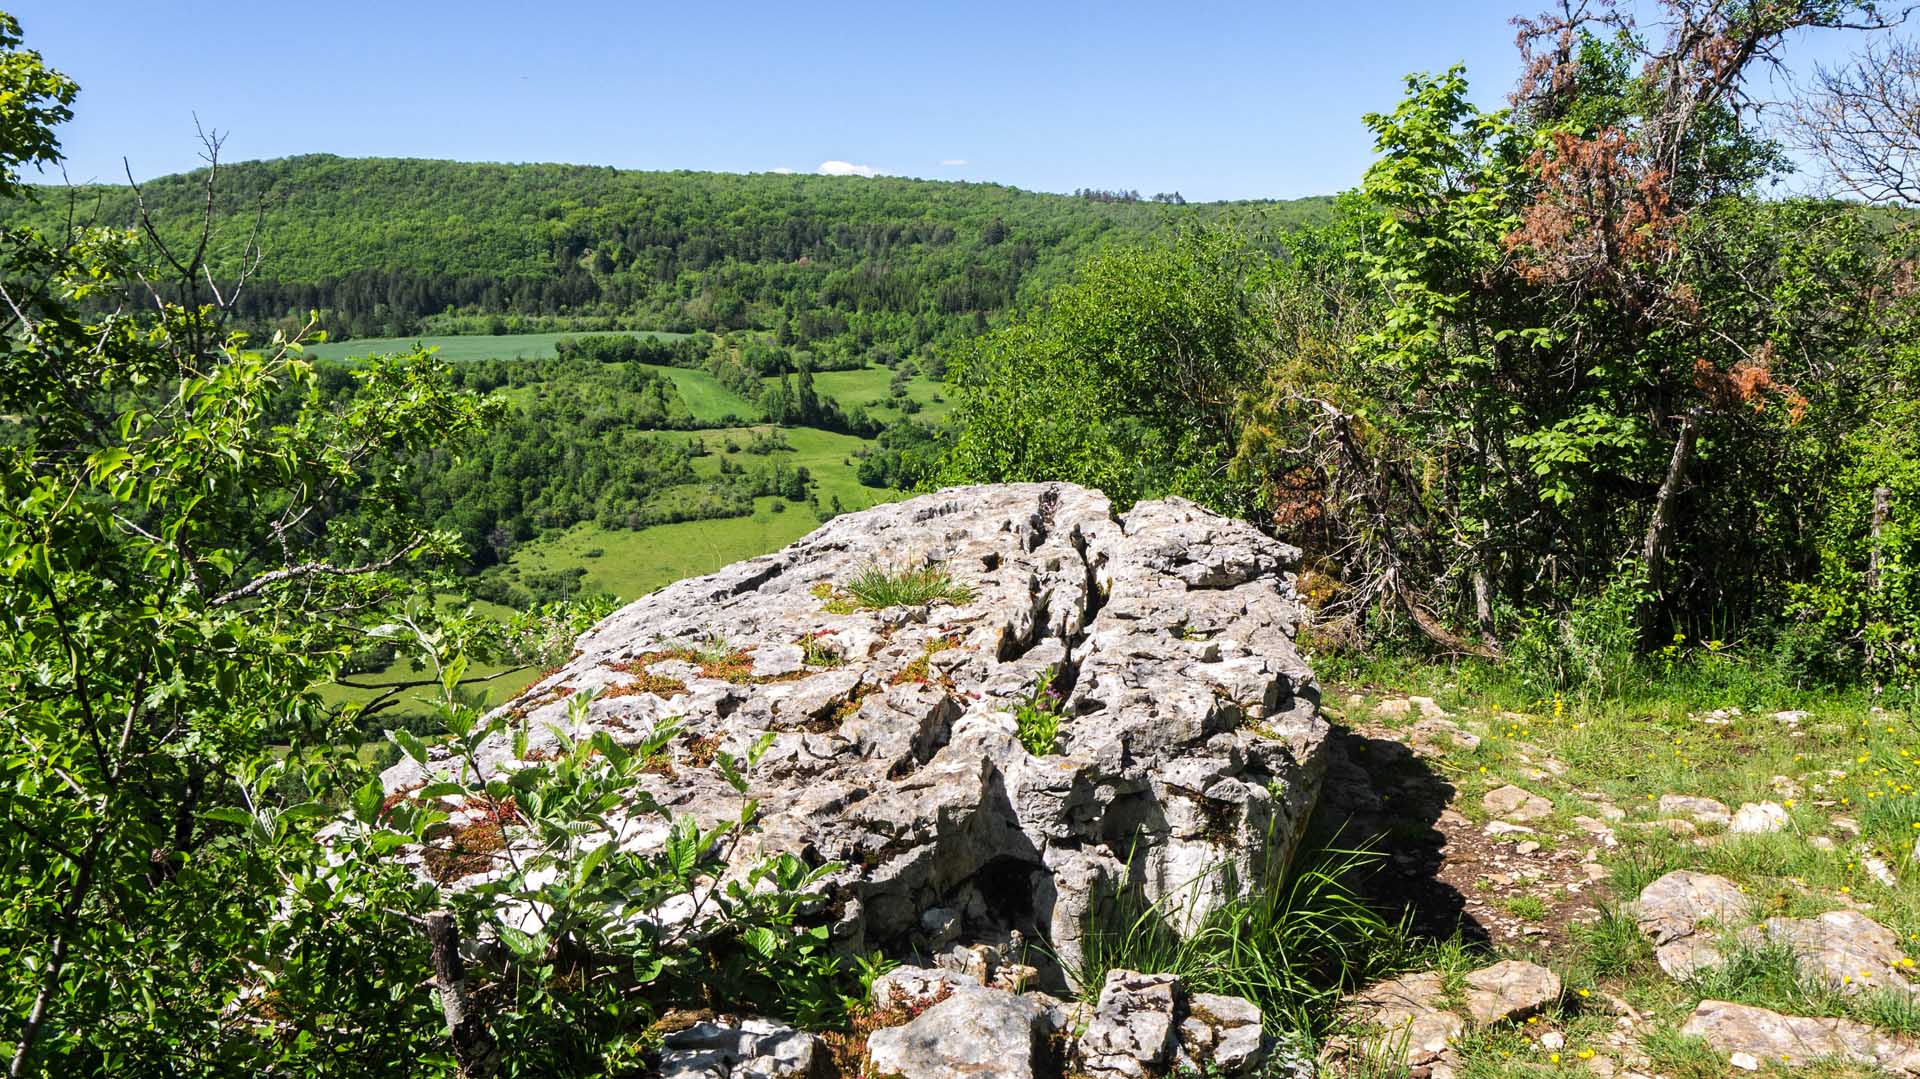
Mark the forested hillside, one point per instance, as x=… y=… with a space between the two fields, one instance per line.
x=393 y=247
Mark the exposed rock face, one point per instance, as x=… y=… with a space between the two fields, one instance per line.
x=1511 y=803
x=1843 y=948
x=1678 y=913
x=1797 y=1040
x=1190 y=749
x=974 y=1034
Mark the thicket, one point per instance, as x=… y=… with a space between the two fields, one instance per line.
x=1559 y=378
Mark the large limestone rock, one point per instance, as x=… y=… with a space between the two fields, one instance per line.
x=1190 y=752
x=1510 y=990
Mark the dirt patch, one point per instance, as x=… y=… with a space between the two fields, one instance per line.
x=1447 y=873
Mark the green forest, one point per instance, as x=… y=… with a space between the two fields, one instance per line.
x=1583 y=427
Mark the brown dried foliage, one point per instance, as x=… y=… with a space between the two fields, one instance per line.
x=1601 y=217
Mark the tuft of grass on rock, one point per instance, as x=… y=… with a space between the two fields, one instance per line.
x=877 y=587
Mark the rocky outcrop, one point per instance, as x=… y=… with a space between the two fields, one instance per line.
x=1413 y=1015
x=1189 y=748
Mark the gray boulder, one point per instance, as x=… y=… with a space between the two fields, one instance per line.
x=1190 y=748
x=1510 y=990
x=973 y=1034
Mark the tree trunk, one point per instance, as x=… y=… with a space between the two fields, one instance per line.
x=1882 y=505
x=1653 y=547
x=473 y=1046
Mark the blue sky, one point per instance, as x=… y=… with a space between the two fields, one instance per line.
x=1215 y=100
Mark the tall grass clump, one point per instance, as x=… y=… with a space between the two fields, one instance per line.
x=879 y=587
x=1294 y=947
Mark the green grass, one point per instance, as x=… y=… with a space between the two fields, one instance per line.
x=512 y=346
x=707 y=398
x=1294 y=946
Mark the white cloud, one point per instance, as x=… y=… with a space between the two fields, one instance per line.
x=846 y=168
x=783 y=171
x=954 y=161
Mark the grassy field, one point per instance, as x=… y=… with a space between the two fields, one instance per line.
x=633 y=563
x=706 y=398
x=512 y=346
x=868 y=388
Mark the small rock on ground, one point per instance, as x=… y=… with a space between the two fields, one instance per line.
x=1510 y=990
x=1757 y=817
x=1673 y=911
x=1512 y=803
x=1699 y=810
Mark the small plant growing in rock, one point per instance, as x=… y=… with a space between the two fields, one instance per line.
x=879 y=587
x=817 y=651
x=1038 y=718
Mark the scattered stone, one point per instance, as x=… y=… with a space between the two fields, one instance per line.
x=1598 y=829
x=1758 y=817
x=975 y=1034
x=1846 y=949
x=1526 y=847
x=1500 y=827
x=1878 y=869
x=1795 y=1040
x=1675 y=910
x=916 y=987
x=1133 y=1032
x=1408 y=1008
x=1510 y=990
x=1512 y=803
x=739 y=1049
x=1822 y=843
x=1699 y=810
x=1674 y=825
x=1792 y=717
x=1147 y=1025
x=1746 y=1062
x=1553 y=1039
x=1438 y=737
x=1400 y=707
